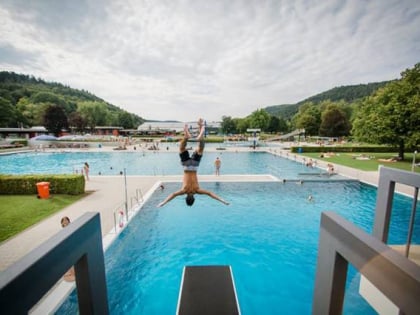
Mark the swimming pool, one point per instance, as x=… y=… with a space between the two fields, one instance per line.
x=269 y=235
x=154 y=163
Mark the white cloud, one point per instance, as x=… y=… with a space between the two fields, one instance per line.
x=182 y=59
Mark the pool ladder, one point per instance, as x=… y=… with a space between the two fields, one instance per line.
x=121 y=213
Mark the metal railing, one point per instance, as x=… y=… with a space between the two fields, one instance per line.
x=122 y=210
x=138 y=198
x=388 y=178
x=341 y=242
x=139 y=195
x=80 y=245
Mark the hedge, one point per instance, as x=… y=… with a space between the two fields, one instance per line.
x=20 y=142
x=26 y=184
x=322 y=149
x=207 y=140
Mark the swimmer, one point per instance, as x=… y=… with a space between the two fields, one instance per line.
x=310 y=198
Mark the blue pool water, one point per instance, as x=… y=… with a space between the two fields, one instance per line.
x=149 y=163
x=269 y=235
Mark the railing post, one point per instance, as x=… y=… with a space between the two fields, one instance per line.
x=340 y=242
x=24 y=283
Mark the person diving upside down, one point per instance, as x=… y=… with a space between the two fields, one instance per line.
x=190 y=164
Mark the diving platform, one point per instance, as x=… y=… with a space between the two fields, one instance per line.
x=207 y=290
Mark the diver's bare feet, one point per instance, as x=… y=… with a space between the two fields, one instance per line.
x=201 y=127
x=187 y=134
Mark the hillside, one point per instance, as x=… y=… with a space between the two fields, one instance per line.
x=19 y=93
x=349 y=93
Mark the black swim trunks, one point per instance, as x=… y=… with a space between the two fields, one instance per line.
x=190 y=163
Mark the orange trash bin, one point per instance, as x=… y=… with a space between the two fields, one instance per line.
x=43 y=190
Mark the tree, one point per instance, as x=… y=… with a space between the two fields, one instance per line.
x=51 y=98
x=31 y=113
x=76 y=122
x=228 y=126
x=334 y=122
x=391 y=116
x=276 y=124
x=242 y=124
x=55 y=119
x=94 y=113
x=273 y=124
x=7 y=113
x=308 y=118
x=125 y=120
x=259 y=119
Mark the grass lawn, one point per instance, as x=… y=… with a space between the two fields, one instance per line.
x=18 y=212
x=350 y=160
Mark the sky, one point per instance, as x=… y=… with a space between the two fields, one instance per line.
x=183 y=59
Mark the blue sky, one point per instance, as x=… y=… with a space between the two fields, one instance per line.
x=183 y=59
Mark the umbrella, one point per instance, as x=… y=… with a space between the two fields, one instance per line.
x=44 y=137
x=68 y=137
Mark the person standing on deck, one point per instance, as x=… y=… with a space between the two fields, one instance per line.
x=217 y=164
x=86 y=170
x=190 y=184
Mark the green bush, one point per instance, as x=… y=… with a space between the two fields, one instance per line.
x=20 y=142
x=322 y=149
x=26 y=184
x=207 y=140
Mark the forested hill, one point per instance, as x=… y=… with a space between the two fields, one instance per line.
x=21 y=94
x=349 y=94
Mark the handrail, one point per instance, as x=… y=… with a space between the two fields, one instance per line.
x=131 y=201
x=139 y=194
x=24 y=283
x=411 y=223
x=388 y=178
x=340 y=242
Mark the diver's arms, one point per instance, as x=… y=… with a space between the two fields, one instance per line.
x=171 y=196
x=212 y=195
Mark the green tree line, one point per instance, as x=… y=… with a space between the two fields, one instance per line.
x=348 y=93
x=388 y=113
x=26 y=101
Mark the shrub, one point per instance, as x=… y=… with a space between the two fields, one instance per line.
x=322 y=149
x=26 y=184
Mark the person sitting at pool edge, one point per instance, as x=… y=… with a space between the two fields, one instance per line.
x=190 y=184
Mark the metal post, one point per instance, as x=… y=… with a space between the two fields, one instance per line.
x=414 y=161
x=411 y=224
x=115 y=222
x=126 y=194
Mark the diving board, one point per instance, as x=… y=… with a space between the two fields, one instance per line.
x=207 y=290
